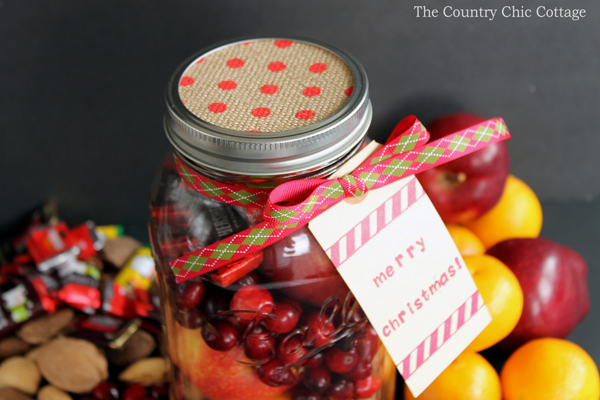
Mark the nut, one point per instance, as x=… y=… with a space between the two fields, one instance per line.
x=119 y=250
x=73 y=365
x=49 y=392
x=146 y=372
x=12 y=394
x=12 y=346
x=21 y=374
x=140 y=345
x=45 y=328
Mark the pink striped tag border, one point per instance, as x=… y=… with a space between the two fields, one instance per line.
x=441 y=335
x=375 y=222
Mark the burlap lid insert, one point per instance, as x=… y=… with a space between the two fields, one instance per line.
x=266 y=86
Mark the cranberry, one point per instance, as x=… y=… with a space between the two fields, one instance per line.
x=317 y=379
x=339 y=361
x=275 y=373
x=159 y=391
x=215 y=302
x=287 y=317
x=304 y=394
x=362 y=370
x=190 y=319
x=350 y=342
x=225 y=337
x=366 y=388
x=370 y=344
x=134 y=392
x=341 y=389
x=190 y=294
x=260 y=344
x=251 y=298
x=315 y=361
x=248 y=279
x=291 y=350
x=105 y=391
x=319 y=329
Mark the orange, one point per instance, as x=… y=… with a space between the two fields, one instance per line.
x=467 y=242
x=502 y=295
x=549 y=369
x=469 y=377
x=518 y=213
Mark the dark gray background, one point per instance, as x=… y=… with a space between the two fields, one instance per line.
x=81 y=95
x=81 y=86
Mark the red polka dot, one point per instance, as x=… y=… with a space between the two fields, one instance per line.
x=217 y=107
x=227 y=85
x=317 y=68
x=186 y=81
x=236 y=63
x=200 y=60
x=312 y=91
x=282 y=44
x=261 y=112
x=269 y=89
x=183 y=101
x=254 y=131
x=349 y=91
x=277 y=66
x=305 y=114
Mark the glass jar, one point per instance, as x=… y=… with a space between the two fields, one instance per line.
x=281 y=323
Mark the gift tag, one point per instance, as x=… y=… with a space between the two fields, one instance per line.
x=395 y=254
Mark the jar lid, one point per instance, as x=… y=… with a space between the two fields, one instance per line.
x=267 y=106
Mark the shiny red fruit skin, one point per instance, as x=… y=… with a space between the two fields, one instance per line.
x=318 y=329
x=134 y=392
x=365 y=388
x=339 y=361
x=553 y=278
x=105 y=391
x=484 y=173
x=306 y=273
x=251 y=298
x=288 y=315
x=190 y=295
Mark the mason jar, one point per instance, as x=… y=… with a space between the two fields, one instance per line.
x=279 y=323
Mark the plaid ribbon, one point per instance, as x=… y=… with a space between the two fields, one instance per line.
x=293 y=204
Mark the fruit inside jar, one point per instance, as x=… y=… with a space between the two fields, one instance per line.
x=287 y=329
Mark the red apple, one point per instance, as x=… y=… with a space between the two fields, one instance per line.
x=299 y=267
x=463 y=189
x=554 y=282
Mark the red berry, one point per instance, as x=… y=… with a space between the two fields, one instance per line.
x=341 y=389
x=287 y=315
x=105 y=391
x=370 y=344
x=362 y=370
x=315 y=361
x=339 y=361
x=215 y=303
x=251 y=298
x=366 y=388
x=291 y=350
x=275 y=373
x=159 y=391
x=260 y=344
x=248 y=279
x=134 y=392
x=305 y=394
x=190 y=294
x=225 y=337
x=317 y=379
x=319 y=329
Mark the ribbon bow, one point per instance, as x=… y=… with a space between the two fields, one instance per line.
x=293 y=204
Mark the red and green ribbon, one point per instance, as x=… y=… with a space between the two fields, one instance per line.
x=293 y=204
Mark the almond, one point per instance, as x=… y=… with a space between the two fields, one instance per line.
x=21 y=374
x=12 y=346
x=42 y=329
x=140 y=345
x=12 y=394
x=146 y=372
x=49 y=392
x=73 y=365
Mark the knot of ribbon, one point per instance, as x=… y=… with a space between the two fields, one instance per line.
x=293 y=204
